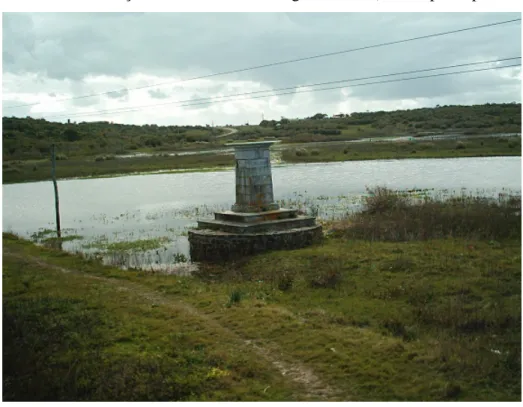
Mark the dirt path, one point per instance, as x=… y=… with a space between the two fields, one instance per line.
x=312 y=386
x=229 y=130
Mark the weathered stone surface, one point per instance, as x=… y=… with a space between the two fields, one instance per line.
x=214 y=246
x=254 y=192
x=250 y=217
x=256 y=227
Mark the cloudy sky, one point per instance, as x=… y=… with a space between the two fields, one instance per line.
x=54 y=56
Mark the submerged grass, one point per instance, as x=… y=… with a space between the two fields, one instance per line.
x=133 y=245
x=431 y=316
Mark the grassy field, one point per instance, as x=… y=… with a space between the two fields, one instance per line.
x=40 y=170
x=478 y=147
x=432 y=313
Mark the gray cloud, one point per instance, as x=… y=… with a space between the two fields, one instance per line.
x=85 y=102
x=121 y=94
x=75 y=46
x=157 y=94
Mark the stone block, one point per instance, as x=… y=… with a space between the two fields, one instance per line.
x=213 y=246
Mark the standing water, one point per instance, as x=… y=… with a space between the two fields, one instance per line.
x=155 y=211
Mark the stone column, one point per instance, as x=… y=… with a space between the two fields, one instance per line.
x=253 y=177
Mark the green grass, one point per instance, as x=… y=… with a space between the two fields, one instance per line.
x=435 y=319
x=479 y=147
x=405 y=319
x=22 y=171
x=71 y=337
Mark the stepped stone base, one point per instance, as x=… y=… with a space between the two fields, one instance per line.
x=216 y=246
x=233 y=234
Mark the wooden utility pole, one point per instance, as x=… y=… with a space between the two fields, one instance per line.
x=56 y=201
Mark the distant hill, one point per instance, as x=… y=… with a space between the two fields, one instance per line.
x=477 y=119
x=28 y=138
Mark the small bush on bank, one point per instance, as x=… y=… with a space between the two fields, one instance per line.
x=325 y=279
x=286 y=281
x=382 y=200
x=392 y=216
x=301 y=152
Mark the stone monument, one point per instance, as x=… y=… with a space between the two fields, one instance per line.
x=255 y=222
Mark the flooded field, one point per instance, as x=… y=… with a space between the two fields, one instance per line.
x=142 y=221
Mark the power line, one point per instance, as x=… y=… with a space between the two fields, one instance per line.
x=136 y=108
x=282 y=62
x=324 y=89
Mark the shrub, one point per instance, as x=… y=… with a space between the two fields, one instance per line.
x=315 y=152
x=460 y=145
x=327 y=276
x=301 y=152
x=392 y=216
x=381 y=200
x=153 y=142
x=426 y=146
x=397 y=328
x=285 y=281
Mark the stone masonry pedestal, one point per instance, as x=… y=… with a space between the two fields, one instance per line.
x=255 y=222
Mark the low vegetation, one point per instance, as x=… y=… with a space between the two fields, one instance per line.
x=40 y=170
x=410 y=299
x=391 y=216
x=476 y=147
